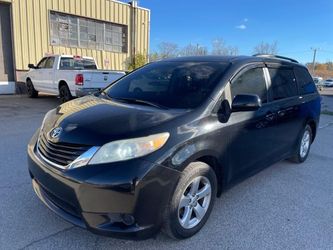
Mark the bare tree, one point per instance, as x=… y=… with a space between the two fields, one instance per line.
x=167 y=50
x=219 y=48
x=266 y=48
x=193 y=50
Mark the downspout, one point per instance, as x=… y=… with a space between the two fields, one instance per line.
x=133 y=5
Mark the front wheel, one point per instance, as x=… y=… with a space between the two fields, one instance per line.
x=32 y=93
x=192 y=201
x=304 y=144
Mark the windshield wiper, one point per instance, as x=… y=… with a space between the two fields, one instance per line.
x=138 y=101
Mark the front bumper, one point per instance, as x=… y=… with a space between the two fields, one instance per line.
x=124 y=200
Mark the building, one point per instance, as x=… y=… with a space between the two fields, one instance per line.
x=110 y=31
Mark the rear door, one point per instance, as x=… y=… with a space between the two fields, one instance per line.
x=285 y=105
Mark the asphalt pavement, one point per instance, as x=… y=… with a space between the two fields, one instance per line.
x=286 y=206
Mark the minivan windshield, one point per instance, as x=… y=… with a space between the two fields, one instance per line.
x=179 y=85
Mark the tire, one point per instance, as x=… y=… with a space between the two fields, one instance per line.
x=303 y=145
x=64 y=93
x=32 y=93
x=176 y=224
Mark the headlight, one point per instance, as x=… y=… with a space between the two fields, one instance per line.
x=128 y=149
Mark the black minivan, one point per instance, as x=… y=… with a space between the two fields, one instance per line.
x=153 y=150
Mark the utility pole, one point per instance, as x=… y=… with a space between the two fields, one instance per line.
x=314 y=60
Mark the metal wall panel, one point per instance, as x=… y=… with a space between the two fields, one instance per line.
x=31 y=29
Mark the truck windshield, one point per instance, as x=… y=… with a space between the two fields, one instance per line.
x=180 y=85
x=69 y=63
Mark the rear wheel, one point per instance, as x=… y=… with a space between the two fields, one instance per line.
x=304 y=144
x=192 y=201
x=64 y=93
x=32 y=93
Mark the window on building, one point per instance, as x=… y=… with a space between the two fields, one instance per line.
x=72 y=31
x=283 y=83
x=304 y=80
x=250 y=82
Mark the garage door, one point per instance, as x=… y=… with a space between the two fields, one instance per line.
x=6 y=55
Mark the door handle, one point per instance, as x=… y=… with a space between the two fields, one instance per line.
x=270 y=116
x=281 y=113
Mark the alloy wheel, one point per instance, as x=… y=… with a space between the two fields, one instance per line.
x=194 y=202
x=305 y=144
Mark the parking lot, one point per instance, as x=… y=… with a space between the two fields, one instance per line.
x=286 y=206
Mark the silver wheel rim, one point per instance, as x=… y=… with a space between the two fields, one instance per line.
x=194 y=202
x=305 y=144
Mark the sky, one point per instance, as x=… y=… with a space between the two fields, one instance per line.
x=296 y=25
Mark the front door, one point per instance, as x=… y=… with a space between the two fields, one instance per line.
x=249 y=134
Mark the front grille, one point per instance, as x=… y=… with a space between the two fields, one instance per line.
x=68 y=208
x=60 y=153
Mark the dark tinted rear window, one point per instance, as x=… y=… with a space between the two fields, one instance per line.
x=283 y=83
x=304 y=80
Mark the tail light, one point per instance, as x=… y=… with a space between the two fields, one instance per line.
x=79 y=79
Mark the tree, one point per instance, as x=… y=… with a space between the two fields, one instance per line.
x=219 y=48
x=167 y=50
x=193 y=50
x=266 y=48
x=136 y=62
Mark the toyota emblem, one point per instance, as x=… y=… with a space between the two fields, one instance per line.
x=55 y=133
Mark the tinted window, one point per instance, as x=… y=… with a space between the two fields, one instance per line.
x=49 y=63
x=283 y=83
x=304 y=81
x=250 y=82
x=41 y=64
x=170 y=84
x=69 y=63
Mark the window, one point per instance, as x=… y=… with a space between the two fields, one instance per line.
x=73 y=31
x=283 y=83
x=69 y=63
x=41 y=64
x=183 y=85
x=49 y=63
x=251 y=82
x=304 y=80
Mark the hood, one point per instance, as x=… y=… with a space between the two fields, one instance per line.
x=95 y=121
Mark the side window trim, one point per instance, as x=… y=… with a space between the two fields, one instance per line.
x=226 y=93
x=268 y=85
x=247 y=68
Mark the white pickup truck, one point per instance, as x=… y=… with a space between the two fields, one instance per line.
x=68 y=76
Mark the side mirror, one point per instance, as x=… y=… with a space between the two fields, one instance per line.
x=246 y=103
x=31 y=66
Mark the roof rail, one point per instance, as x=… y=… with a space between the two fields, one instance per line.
x=276 y=56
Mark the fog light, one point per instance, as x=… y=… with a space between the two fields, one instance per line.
x=128 y=219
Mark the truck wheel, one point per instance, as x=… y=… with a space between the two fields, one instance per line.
x=192 y=201
x=64 y=93
x=32 y=93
